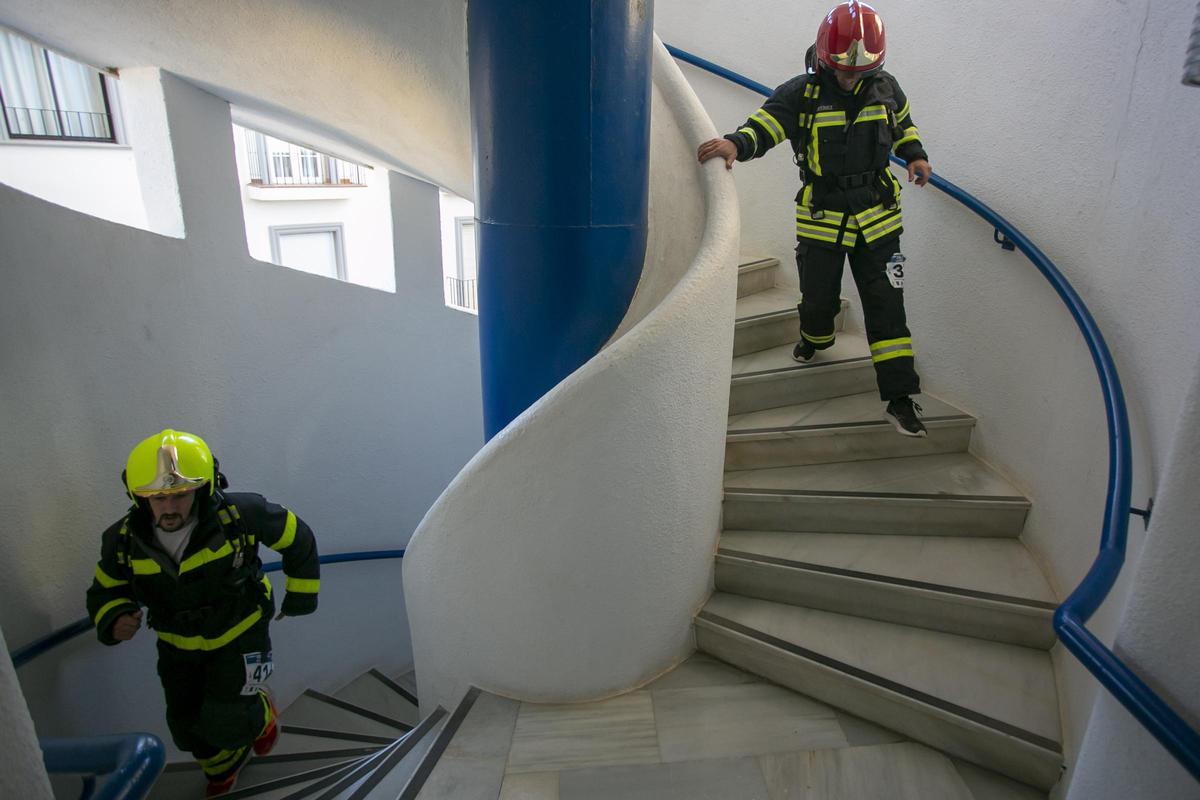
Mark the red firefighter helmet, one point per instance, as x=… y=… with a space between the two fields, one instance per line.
x=851 y=39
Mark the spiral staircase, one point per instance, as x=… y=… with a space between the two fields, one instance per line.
x=878 y=577
x=878 y=573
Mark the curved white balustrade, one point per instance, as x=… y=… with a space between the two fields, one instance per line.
x=566 y=560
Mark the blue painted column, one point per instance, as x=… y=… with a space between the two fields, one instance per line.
x=560 y=104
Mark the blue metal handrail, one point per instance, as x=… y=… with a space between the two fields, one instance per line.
x=1155 y=715
x=130 y=762
x=23 y=655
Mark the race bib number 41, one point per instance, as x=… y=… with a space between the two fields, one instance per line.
x=258 y=668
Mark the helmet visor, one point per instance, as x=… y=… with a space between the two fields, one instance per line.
x=167 y=478
x=855 y=41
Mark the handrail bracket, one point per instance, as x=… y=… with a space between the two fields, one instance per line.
x=1144 y=513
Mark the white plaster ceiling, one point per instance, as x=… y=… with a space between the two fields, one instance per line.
x=384 y=79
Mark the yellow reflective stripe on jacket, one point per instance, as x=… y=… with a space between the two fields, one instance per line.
x=289 y=534
x=822 y=230
x=875 y=113
x=772 y=126
x=205 y=556
x=883 y=228
x=904 y=112
x=202 y=643
x=267 y=585
x=891 y=348
x=109 y=606
x=750 y=132
x=304 y=585
x=910 y=135
x=107 y=582
x=144 y=566
x=823 y=119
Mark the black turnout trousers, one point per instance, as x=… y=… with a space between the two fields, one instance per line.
x=206 y=711
x=883 y=309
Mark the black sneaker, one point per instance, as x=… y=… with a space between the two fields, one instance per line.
x=804 y=351
x=902 y=413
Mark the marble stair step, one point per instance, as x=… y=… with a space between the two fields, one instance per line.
x=261 y=775
x=770 y=378
x=849 y=428
x=952 y=494
x=387 y=774
x=989 y=703
x=986 y=588
x=306 y=783
x=756 y=275
x=317 y=710
x=769 y=319
x=468 y=762
x=376 y=692
x=300 y=739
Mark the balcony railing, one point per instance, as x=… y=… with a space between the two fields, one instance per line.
x=273 y=162
x=52 y=123
x=460 y=293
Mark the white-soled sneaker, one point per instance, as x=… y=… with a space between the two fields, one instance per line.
x=902 y=413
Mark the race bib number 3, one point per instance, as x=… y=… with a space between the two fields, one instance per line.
x=895 y=271
x=258 y=668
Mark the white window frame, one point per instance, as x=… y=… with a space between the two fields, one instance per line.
x=459 y=224
x=339 y=246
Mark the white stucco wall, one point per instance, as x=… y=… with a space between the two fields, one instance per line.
x=352 y=406
x=95 y=179
x=21 y=770
x=567 y=559
x=387 y=81
x=1119 y=758
x=1087 y=154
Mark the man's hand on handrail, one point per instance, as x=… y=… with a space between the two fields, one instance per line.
x=919 y=171
x=718 y=148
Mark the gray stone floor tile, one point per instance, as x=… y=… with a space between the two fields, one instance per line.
x=786 y=775
x=717 y=779
x=557 y=737
x=741 y=720
x=987 y=785
x=462 y=779
x=487 y=730
x=905 y=771
x=701 y=670
x=530 y=786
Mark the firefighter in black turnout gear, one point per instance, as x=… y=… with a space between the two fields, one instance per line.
x=843 y=118
x=188 y=552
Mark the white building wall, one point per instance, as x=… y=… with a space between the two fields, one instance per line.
x=364 y=213
x=96 y=179
x=1069 y=119
x=326 y=396
x=386 y=80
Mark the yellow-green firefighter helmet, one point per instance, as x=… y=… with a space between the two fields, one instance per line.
x=167 y=463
